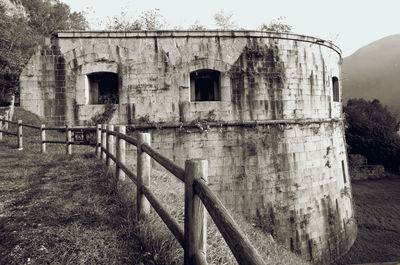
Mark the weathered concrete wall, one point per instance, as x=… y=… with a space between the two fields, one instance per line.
x=263 y=76
x=43 y=86
x=276 y=146
x=287 y=178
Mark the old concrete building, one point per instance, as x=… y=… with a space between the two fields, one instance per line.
x=263 y=108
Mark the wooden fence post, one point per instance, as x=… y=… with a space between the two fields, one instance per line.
x=120 y=153
x=195 y=217
x=143 y=174
x=43 y=137
x=110 y=145
x=68 y=140
x=19 y=133
x=103 y=141
x=98 y=141
x=1 y=128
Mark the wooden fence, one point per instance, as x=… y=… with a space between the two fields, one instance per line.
x=4 y=129
x=111 y=147
x=68 y=142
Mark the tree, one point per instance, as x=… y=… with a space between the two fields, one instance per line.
x=21 y=34
x=152 y=20
x=278 y=25
x=148 y=20
x=16 y=46
x=197 y=26
x=47 y=16
x=371 y=130
x=224 y=21
x=122 y=22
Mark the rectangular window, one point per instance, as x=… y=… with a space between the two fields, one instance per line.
x=103 y=88
x=344 y=171
x=205 y=85
x=335 y=89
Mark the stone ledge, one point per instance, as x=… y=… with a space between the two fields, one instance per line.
x=380 y=263
x=204 y=124
x=196 y=33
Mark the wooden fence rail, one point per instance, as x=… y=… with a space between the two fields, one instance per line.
x=18 y=133
x=198 y=197
x=241 y=247
x=111 y=147
x=31 y=126
x=8 y=121
x=66 y=129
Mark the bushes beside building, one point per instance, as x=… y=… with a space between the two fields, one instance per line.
x=371 y=131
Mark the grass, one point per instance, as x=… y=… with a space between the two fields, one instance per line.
x=377 y=209
x=170 y=191
x=60 y=209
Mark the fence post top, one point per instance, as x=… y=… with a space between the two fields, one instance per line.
x=122 y=129
x=144 y=137
x=198 y=167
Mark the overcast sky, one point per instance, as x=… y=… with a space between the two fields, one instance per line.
x=351 y=24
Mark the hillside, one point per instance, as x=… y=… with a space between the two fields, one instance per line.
x=373 y=71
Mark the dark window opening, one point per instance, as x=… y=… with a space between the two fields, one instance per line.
x=337 y=206
x=103 y=88
x=205 y=85
x=344 y=172
x=291 y=244
x=335 y=85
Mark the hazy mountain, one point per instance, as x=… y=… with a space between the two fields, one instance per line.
x=373 y=71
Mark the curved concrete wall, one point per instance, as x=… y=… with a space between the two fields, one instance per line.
x=274 y=141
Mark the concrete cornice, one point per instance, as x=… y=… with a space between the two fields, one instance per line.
x=196 y=33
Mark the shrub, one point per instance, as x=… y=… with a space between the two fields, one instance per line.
x=371 y=130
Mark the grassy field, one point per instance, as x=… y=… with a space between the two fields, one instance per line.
x=377 y=207
x=60 y=209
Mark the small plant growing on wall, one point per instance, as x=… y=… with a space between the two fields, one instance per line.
x=106 y=115
x=305 y=220
x=212 y=116
x=202 y=125
x=345 y=192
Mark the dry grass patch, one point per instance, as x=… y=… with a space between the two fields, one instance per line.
x=170 y=191
x=59 y=209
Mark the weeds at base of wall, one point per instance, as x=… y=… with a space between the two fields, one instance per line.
x=265 y=222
